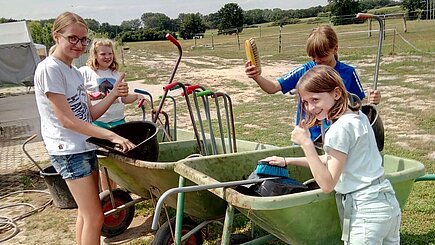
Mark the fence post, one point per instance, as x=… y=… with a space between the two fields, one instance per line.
x=280 y=32
x=370 y=27
x=212 y=41
x=405 y=29
x=394 y=40
x=238 y=39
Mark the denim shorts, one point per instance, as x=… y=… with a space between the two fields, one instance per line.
x=75 y=166
x=376 y=221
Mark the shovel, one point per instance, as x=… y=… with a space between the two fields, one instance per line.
x=370 y=109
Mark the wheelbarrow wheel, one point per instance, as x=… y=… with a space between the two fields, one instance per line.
x=116 y=223
x=164 y=237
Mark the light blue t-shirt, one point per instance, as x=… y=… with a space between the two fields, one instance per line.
x=353 y=135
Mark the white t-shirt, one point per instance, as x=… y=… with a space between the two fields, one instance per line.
x=103 y=81
x=52 y=75
x=353 y=135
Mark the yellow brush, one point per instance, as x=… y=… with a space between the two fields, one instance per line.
x=252 y=53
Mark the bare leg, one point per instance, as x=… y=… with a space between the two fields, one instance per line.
x=90 y=215
x=79 y=227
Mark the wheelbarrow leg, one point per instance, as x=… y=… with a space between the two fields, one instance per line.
x=112 y=199
x=180 y=211
x=228 y=225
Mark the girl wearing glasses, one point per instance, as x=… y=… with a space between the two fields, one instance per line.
x=66 y=115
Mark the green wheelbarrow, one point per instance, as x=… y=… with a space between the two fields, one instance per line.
x=309 y=217
x=150 y=179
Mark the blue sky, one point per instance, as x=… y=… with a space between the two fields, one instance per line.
x=115 y=11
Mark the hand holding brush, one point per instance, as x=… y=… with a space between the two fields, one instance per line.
x=272 y=167
x=275 y=160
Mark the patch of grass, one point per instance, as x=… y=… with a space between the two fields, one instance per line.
x=26 y=182
x=427 y=121
x=138 y=72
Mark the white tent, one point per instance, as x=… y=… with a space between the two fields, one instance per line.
x=18 y=54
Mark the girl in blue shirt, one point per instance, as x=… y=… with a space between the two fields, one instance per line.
x=322 y=48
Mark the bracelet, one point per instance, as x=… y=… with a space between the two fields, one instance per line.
x=285 y=161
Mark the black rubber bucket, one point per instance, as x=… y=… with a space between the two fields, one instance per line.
x=376 y=123
x=62 y=197
x=141 y=133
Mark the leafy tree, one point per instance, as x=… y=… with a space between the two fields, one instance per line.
x=344 y=11
x=156 y=21
x=93 y=24
x=373 y=4
x=111 y=31
x=41 y=33
x=131 y=25
x=414 y=7
x=211 y=21
x=190 y=25
x=4 y=20
x=147 y=34
x=230 y=17
x=254 y=16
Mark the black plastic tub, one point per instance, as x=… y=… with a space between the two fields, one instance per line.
x=141 y=133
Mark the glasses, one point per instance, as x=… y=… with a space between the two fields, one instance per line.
x=75 y=40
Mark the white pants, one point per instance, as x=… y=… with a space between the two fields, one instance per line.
x=375 y=221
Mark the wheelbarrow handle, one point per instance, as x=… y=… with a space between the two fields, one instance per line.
x=204 y=93
x=191 y=88
x=173 y=40
x=171 y=86
x=23 y=147
x=140 y=91
x=427 y=177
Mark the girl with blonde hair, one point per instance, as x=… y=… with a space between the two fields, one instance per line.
x=100 y=74
x=66 y=115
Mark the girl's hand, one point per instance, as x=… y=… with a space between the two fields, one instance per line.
x=300 y=134
x=141 y=100
x=274 y=160
x=374 y=96
x=251 y=70
x=123 y=143
x=120 y=88
x=96 y=95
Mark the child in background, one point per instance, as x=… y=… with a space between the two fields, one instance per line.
x=100 y=73
x=322 y=47
x=66 y=113
x=352 y=165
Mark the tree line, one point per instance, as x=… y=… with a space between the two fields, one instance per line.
x=229 y=19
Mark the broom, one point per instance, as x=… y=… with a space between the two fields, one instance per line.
x=265 y=169
x=252 y=53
